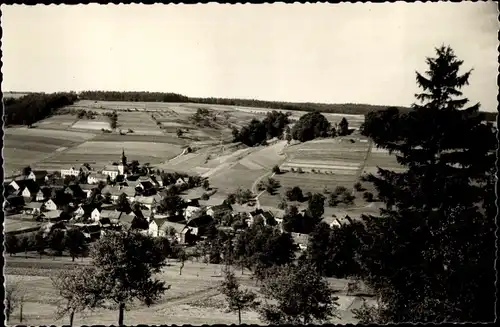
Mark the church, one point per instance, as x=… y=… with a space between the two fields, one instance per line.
x=114 y=170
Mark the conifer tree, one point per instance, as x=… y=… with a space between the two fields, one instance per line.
x=430 y=256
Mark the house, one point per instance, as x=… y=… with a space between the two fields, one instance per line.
x=180 y=182
x=145 y=214
x=38 y=175
x=265 y=216
x=157 y=182
x=110 y=214
x=301 y=240
x=339 y=222
x=147 y=201
x=70 y=172
x=95 y=215
x=90 y=231
x=18 y=184
x=154 y=227
x=190 y=211
x=114 y=170
x=95 y=178
x=219 y=210
x=40 y=196
x=50 y=205
x=133 y=222
x=30 y=189
x=33 y=208
x=116 y=191
x=87 y=189
x=193 y=195
x=52 y=215
x=173 y=231
x=84 y=170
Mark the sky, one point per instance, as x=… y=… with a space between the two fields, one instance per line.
x=330 y=53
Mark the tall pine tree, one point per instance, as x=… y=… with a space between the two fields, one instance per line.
x=430 y=254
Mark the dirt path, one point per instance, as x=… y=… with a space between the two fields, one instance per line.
x=186 y=299
x=363 y=164
x=254 y=187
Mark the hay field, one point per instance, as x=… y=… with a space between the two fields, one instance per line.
x=192 y=299
x=23 y=146
x=103 y=152
x=140 y=123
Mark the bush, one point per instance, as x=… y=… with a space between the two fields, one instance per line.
x=299 y=170
x=358 y=187
x=205 y=197
x=368 y=196
x=276 y=169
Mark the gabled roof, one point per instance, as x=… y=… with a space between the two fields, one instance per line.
x=132 y=178
x=166 y=224
x=33 y=205
x=39 y=173
x=52 y=214
x=147 y=185
x=75 y=189
x=117 y=190
x=221 y=207
x=87 y=187
x=111 y=168
x=97 y=175
x=144 y=199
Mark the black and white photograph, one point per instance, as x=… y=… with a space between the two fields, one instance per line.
x=278 y=163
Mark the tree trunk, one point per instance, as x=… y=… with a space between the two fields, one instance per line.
x=71 y=316
x=180 y=269
x=21 y=312
x=120 y=315
x=239 y=316
x=26 y=254
x=73 y=258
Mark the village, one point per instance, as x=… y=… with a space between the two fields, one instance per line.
x=126 y=196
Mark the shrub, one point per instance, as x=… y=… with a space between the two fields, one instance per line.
x=299 y=170
x=205 y=196
x=358 y=187
x=276 y=169
x=368 y=196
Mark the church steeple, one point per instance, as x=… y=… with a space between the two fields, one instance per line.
x=124 y=159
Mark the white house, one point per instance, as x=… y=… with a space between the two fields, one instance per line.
x=15 y=185
x=147 y=201
x=50 y=205
x=95 y=178
x=38 y=175
x=79 y=212
x=70 y=172
x=95 y=215
x=87 y=189
x=39 y=196
x=112 y=171
x=33 y=208
x=190 y=211
x=180 y=182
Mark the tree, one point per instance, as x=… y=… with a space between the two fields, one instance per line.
x=206 y=184
x=39 y=242
x=56 y=242
x=294 y=194
x=368 y=196
x=26 y=170
x=282 y=204
x=316 y=206
x=74 y=241
x=238 y=300
x=311 y=126
x=358 y=187
x=276 y=170
x=302 y=296
x=343 y=127
x=124 y=265
x=14 y=297
x=440 y=212
x=122 y=203
x=77 y=292
x=24 y=245
x=11 y=244
x=172 y=204
x=179 y=133
x=271 y=185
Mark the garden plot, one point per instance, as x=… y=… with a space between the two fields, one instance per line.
x=61 y=122
x=140 y=123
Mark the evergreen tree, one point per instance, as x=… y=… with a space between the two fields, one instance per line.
x=343 y=127
x=430 y=256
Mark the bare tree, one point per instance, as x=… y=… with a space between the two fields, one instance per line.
x=14 y=298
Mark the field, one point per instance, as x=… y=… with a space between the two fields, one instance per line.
x=100 y=153
x=192 y=299
x=23 y=146
x=11 y=225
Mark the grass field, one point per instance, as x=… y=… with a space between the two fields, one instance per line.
x=23 y=146
x=100 y=153
x=11 y=225
x=192 y=299
x=140 y=123
x=62 y=122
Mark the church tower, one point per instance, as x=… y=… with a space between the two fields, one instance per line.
x=124 y=159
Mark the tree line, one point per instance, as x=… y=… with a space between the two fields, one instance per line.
x=33 y=107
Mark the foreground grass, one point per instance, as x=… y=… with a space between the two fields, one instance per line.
x=192 y=299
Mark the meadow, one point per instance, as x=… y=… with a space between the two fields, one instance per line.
x=192 y=299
